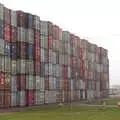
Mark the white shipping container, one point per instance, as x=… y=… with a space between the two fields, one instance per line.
x=40 y=83
x=57 y=71
x=13 y=18
x=54 y=58
x=50 y=96
x=13 y=67
x=50 y=68
x=37 y=22
x=7 y=64
x=2 y=47
x=30 y=67
x=82 y=84
x=42 y=55
x=90 y=94
x=21 y=66
x=39 y=97
x=69 y=72
x=44 y=28
x=29 y=82
x=1 y=11
x=52 y=83
x=21 y=34
x=30 y=35
x=2 y=63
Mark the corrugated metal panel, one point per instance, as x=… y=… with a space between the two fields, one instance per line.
x=21 y=66
x=13 y=18
x=42 y=55
x=1 y=99
x=7 y=99
x=1 y=47
x=13 y=67
x=21 y=98
x=50 y=96
x=1 y=11
x=1 y=29
x=6 y=15
x=42 y=69
x=30 y=83
x=21 y=82
x=39 y=83
x=7 y=64
x=8 y=81
x=30 y=67
x=30 y=36
x=13 y=99
x=2 y=63
x=21 y=34
x=14 y=84
x=36 y=20
x=39 y=97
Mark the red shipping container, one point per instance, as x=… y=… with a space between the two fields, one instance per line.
x=2 y=80
x=50 y=42
x=73 y=62
x=21 y=82
x=21 y=19
x=37 y=38
x=21 y=49
x=37 y=53
x=30 y=97
x=67 y=96
x=7 y=30
x=13 y=34
x=86 y=75
x=7 y=99
x=65 y=71
x=46 y=83
x=66 y=84
x=37 y=67
x=7 y=18
x=1 y=99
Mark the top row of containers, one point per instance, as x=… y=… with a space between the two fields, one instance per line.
x=33 y=24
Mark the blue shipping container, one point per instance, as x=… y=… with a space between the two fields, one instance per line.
x=30 y=51
x=13 y=50
x=7 y=49
x=29 y=20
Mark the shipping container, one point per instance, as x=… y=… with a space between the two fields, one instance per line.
x=13 y=16
x=1 y=29
x=39 y=97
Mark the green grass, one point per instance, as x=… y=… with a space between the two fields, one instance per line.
x=64 y=113
x=113 y=101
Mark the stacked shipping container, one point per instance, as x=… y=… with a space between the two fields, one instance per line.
x=41 y=64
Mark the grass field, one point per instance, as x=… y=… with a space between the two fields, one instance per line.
x=64 y=113
x=113 y=101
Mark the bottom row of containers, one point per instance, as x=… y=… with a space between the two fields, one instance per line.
x=30 y=97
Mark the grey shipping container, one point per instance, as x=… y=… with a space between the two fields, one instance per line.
x=14 y=84
x=39 y=97
x=13 y=99
x=2 y=63
x=1 y=47
x=21 y=98
x=13 y=18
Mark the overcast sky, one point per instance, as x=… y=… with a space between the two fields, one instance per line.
x=97 y=20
